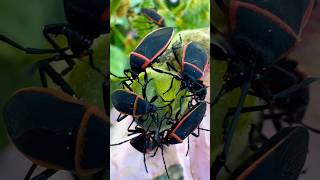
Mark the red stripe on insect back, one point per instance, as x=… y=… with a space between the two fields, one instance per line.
x=150 y=18
x=183 y=120
x=160 y=21
x=184 y=54
x=236 y=4
x=254 y=165
x=105 y=14
x=145 y=59
x=176 y=137
x=136 y=100
x=306 y=16
x=163 y=48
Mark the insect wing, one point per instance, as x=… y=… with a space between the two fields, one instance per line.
x=286 y=152
x=271 y=27
x=194 y=60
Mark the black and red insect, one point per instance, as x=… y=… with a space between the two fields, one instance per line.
x=58 y=132
x=145 y=142
x=192 y=67
x=149 y=141
x=87 y=20
x=186 y=124
x=147 y=52
x=130 y=103
x=153 y=16
x=289 y=109
x=286 y=152
x=261 y=33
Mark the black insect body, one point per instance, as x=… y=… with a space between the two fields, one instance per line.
x=153 y=17
x=261 y=34
x=147 y=52
x=186 y=125
x=289 y=109
x=145 y=142
x=130 y=103
x=193 y=64
x=286 y=151
x=55 y=131
x=183 y=127
x=149 y=141
x=86 y=21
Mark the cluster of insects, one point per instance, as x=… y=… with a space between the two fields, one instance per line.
x=144 y=111
x=261 y=35
x=53 y=128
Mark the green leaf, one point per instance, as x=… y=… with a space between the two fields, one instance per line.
x=87 y=82
x=119 y=61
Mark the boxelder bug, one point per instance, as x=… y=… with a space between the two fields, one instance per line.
x=286 y=152
x=193 y=64
x=129 y=103
x=147 y=52
x=183 y=128
x=153 y=17
x=148 y=141
x=86 y=21
x=145 y=142
x=186 y=125
x=55 y=131
x=257 y=45
x=289 y=109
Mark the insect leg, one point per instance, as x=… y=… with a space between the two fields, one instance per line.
x=188 y=146
x=46 y=68
x=30 y=50
x=30 y=172
x=45 y=174
x=164 y=161
x=295 y=87
x=91 y=63
x=170 y=87
x=144 y=161
x=57 y=29
x=171 y=67
x=221 y=159
x=120 y=118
